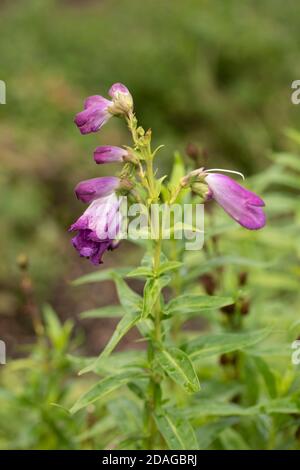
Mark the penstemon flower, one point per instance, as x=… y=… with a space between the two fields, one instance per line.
x=94 y=188
x=95 y=234
x=98 y=110
x=109 y=153
x=244 y=206
x=98 y=226
x=96 y=113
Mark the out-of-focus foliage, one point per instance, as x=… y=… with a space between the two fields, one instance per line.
x=212 y=72
x=218 y=73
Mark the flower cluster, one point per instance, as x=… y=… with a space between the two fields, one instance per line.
x=99 y=226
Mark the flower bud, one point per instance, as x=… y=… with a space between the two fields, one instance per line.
x=201 y=189
x=122 y=99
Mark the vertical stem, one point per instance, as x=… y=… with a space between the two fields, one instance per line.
x=154 y=391
x=154 y=385
x=156 y=264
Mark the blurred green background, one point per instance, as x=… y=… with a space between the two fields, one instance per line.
x=213 y=73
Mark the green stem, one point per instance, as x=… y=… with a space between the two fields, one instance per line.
x=142 y=145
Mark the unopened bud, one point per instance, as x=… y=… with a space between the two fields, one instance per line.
x=122 y=99
x=125 y=185
x=201 y=189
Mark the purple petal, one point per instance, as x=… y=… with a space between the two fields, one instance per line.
x=117 y=88
x=96 y=100
x=107 y=154
x=102 y=218
x=90 y=249
x=98 y=228
x=240 y=203
x=89 y=190
x=95 y=114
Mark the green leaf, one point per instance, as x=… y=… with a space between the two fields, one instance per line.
x=219 y=261
x=132 y=304
x=110 y=311
x=177 y=431
x=208 y=407
x=124 y=325
x=100 y=389
x=58 y=333
x=178 y=170
x=250 y=378
x=117 y=362
x=101 y=275
x=282 y=406
x=189 y=303
x=210 y=345
x=152 y=290
x=179 y=368
x=141 y=272
x=232 y=440
x=267 y=376
x=130 y=300
x=209 y=432
x=100 y=428
x=169 y=266
x=127 y=415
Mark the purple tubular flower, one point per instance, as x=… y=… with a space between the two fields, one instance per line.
x=89 y=190
x=107 y=154
x=95 y=115
x=241 y=204
x=98 y=228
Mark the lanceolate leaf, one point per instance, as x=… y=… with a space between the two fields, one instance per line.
x=210 y=345
x=207 y=407
x=102 y=388
x=110 y=311
x=189 y=303
x=124 y=325
x=208 y=433
x=152 y=290
x=232 y=440
x=267 y=376
x=179 y=368
x=100 y=276
x=129 y=299
x=140 y=272
x=213 y=263
x=177 y=431
x=169 y=266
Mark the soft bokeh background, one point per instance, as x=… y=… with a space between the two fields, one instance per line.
x=209 y=72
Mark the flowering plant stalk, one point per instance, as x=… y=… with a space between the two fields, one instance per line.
x=155 y=377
